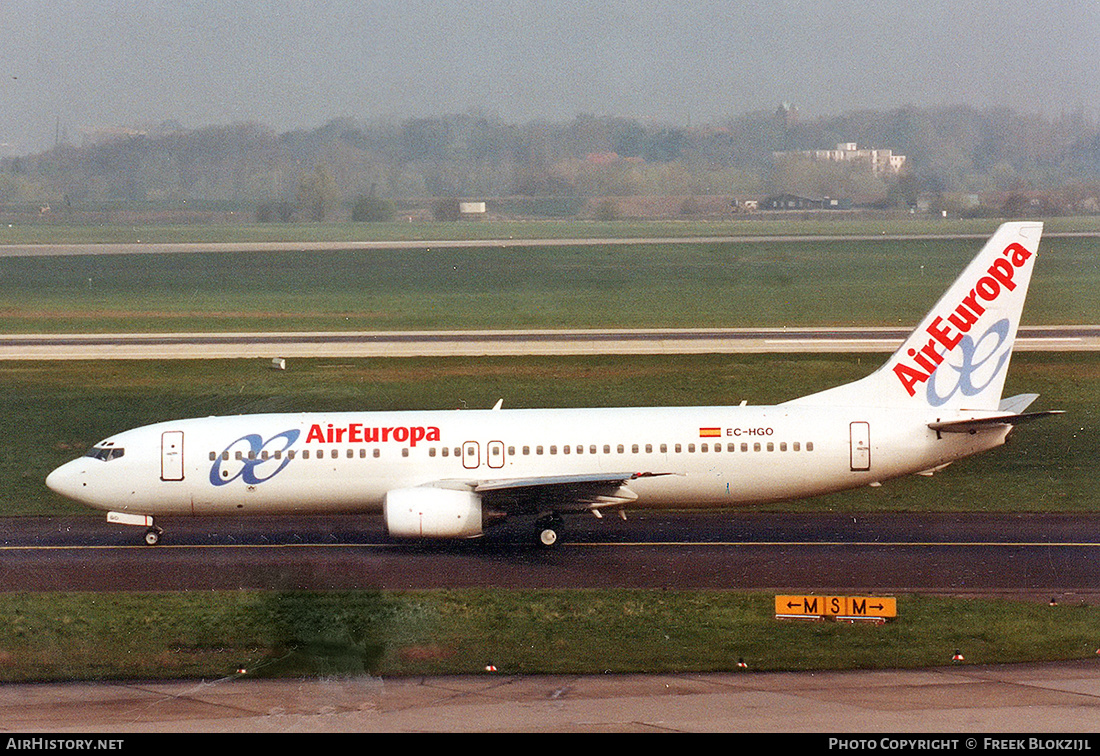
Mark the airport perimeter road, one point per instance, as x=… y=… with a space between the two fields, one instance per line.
x=969 y=700
x=498 y=343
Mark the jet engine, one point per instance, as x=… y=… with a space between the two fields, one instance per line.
x=432 y=513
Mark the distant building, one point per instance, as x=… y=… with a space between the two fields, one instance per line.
x=794 y=202
x=879 y=161
x=107 y=134
x=471 y=209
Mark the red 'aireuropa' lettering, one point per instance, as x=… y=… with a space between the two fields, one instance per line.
x=948 y=333
x=357 y=433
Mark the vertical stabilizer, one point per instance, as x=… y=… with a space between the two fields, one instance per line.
x=958 y=356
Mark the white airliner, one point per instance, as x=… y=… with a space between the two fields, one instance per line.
x=453 y=473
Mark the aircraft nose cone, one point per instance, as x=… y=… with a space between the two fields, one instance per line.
x=65 y=480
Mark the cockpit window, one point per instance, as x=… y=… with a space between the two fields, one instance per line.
x=106 y=453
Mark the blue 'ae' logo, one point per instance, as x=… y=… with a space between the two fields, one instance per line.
x=977 y=358
x=251 y=459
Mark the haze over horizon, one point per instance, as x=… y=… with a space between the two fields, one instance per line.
x=73 y=65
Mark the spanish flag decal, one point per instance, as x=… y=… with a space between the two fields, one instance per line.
x=709 y=432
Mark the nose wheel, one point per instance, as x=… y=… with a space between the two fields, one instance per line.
x=152 y=532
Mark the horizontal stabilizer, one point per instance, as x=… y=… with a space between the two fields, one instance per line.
x=975 y=424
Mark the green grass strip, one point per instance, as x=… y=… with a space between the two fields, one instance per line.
x=85 y=636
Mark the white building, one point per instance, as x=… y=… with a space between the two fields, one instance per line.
x=880 y=161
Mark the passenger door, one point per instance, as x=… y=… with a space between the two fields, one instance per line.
x=171 y=455
x=861 y=446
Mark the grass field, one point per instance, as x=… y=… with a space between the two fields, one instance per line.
x=269 y=634
x=798 y=283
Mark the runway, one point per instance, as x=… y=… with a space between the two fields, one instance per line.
x=1034 y=556
x=175 y=248
x=139 y=247
x=498 y=343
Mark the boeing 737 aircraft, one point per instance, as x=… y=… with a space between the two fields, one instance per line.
x=451 y=474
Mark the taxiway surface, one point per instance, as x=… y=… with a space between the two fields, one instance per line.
x=1040 y=556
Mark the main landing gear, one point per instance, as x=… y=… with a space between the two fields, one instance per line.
x=548 y=530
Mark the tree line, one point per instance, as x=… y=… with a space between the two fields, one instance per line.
x=368 y=168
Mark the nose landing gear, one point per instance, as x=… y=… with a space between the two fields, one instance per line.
x=152 y=533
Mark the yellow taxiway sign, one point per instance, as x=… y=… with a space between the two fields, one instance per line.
x=878 y=608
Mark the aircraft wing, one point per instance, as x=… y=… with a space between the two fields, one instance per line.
x=561 y=493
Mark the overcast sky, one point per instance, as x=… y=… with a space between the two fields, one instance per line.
x=86 y=64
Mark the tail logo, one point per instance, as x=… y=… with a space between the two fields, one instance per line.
x=951 y=332
x=969 y=348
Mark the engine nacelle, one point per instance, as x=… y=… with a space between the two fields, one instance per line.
x=432 y=513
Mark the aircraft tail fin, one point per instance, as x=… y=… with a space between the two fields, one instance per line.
x=958 y=356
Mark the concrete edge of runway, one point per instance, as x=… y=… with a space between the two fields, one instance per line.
x=483 y=343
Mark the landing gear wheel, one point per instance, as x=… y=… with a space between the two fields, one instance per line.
x=548 y=531
x=548 y=536
x=152 y=536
